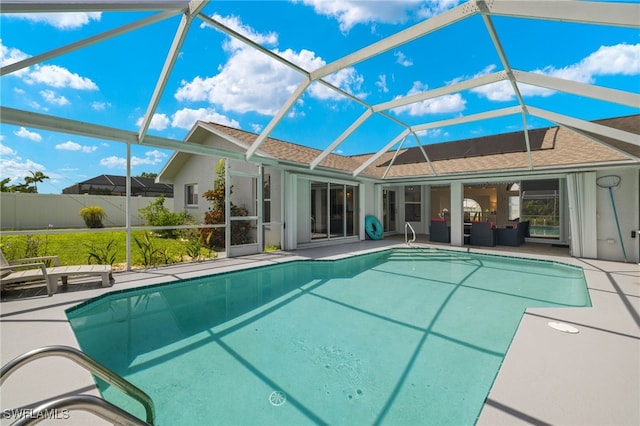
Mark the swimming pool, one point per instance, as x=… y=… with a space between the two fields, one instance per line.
x=402 y=336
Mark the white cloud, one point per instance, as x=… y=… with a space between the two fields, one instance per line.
x=352 y=12
x=432 y=133
x=442 y=104
x=158 y=121
x=51 y=75
x=55 y=76
x=50 y=96
x=100 y=106
x=17 y=169
x=186 y=118
x=6 y=151
x=402 y=59
x=257 y=128
x=36 y=105
x=151 y=158
x=10 y=55
x=347 y=79
x=252 y=81
x=61 y=20
x=381 y=84
x=621 y=59
x=26 y=134
x=233 y=22
x=74 y=146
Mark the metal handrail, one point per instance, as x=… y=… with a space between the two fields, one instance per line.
x=88 y=403
x=406 y=234
x=89 y=364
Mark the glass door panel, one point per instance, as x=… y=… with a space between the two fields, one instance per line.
x=337 y=204
x=319 y=211
x=389 y=210
x=352 y=210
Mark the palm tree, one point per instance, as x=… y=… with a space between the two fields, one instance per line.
x=4 y=185
x=35 y=177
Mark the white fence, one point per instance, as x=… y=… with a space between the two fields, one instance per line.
x=19 y=211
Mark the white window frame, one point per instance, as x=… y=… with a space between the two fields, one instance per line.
x=191 y=195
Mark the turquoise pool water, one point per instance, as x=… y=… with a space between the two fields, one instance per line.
x=404 y=336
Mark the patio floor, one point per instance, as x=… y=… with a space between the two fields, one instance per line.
x=547 y=377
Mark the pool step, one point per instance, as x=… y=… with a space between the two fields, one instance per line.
x=425 y=254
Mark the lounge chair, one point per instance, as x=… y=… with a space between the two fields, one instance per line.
x=439 y=231
x=483 y=234
x=35 y=269
x=513 y=236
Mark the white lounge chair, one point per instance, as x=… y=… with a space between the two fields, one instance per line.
x=35 y=269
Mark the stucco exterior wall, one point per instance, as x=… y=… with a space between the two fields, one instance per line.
x=626 y=196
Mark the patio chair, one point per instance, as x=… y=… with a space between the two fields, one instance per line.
x=439 y=231
x=35 y=269
x=483 y=234
x=513 y=236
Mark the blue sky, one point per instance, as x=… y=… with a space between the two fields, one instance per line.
x=220 y=79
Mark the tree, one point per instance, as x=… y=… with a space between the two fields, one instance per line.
x=35 y=177
x=148 y=175
x=4 y=187
x=18 y=187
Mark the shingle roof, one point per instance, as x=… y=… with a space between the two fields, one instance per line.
x=117 y=185
x=550 y=147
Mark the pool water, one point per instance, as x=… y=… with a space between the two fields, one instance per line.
x=403 y=336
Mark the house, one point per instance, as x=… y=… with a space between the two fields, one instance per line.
x=116 y=185
x=495 y=178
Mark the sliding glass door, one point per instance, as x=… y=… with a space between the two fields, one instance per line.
x=334 y=210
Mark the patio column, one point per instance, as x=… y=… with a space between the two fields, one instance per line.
x=457 y=218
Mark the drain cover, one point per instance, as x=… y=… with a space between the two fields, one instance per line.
x=566 y=328
x=277 y=398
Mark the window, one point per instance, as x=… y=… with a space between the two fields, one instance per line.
x=540 y=205
x=266 y=198
x=412 y=204
x=191 y=195
x=472 y=210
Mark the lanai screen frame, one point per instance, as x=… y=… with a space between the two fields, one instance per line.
x=594 y=13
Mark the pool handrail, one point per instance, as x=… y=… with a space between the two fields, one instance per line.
x=90 y=364
x=406 y=236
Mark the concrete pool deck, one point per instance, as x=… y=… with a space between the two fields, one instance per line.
x=547 y=377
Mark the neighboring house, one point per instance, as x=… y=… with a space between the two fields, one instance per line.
x=116 y=185
x=494 y=178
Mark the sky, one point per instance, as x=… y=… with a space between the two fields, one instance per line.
x=220 y=79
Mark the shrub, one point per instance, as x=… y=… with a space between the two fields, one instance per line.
x=102 y=254
x=34 y=246
x=93 y=216
x=148 y=251
x=156 y=214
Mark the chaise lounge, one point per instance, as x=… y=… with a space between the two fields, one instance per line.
x=35 y=269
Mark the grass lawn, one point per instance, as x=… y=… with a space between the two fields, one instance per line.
x=75 y=248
